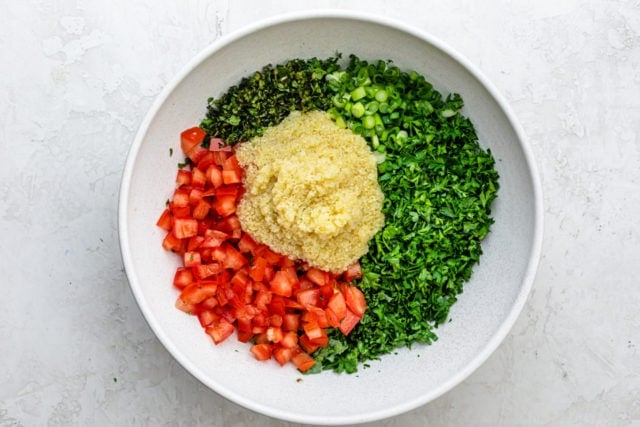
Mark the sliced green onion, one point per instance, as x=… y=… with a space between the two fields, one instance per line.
x=357 y=110
x=358 y=93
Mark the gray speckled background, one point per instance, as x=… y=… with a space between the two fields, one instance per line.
x=76 y=79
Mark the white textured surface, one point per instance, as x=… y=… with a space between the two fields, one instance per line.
x=78 y=77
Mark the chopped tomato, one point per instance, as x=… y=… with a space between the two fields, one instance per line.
x=183 y=277
x=303 y=361
x=354 y=271
x=261 y=351
x=164 y=221
x=354 y=299
x=349 y=322
x=281 y=284
x=190 y=141
x=337 y=305
x=220 y=330
x=230 y=282
x=185 y=227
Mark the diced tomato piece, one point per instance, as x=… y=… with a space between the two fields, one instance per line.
x=291 y=322
x=354 y=271
x=173 y=244
x=337 y=305
x=282 y=355
x=214 y=176
x=183 y=306
x=261 y=300
x=192 y=259
x=191 y=139
x=205 y=161
x=354 y=299
x=207 y=317
x=185 y=227
x=183 y=177
x=274 y=334
x=332 y=318
x=221 y=156
x=165 y=220
x=194 y=242
x=230 y=225
x=303 y=361
x=312 y=329
x=182 y=278
x=198 y=178
x=204 y=271
x=220 y=330
x=258 y=269
x=308 y=297
x=214 y=238
x=201 y=210
x=261 y=351
x=246 y=244
x=231 y=177
x=320 y=316
x=289 y=339
x=197 y=292
x=229 y=257
x=180 y=198
x=317 y=276
x=278 y=305
x=244 y=336
x=209 y=303
x=321 y=341
x=225 y=205
x=232 y=164
x=349 y=322
x=281 y=284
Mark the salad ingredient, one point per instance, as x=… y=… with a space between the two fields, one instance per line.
x=231 y=283
x=438 y=183
x=311 y=191
x=265 y=98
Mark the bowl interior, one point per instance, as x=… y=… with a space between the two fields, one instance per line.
x=398 y=382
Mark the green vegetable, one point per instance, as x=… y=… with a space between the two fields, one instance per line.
x=265 y=98
x=438 y=185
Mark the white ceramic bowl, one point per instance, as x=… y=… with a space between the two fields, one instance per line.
x=398 y=382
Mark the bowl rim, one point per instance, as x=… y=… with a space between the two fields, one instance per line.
x=310 y=14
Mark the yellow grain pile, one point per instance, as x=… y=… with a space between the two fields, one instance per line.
x=312 y=191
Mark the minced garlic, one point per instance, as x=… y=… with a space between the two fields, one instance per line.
x=312 y=191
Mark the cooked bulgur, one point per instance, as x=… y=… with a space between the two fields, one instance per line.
x=312 y=191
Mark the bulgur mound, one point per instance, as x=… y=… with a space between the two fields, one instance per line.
x=312 y=191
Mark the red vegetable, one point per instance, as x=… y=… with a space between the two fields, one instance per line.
x=232 y=283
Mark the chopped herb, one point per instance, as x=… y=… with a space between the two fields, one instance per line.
x=170 y=152
x=438 y=183
x=187 y=162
